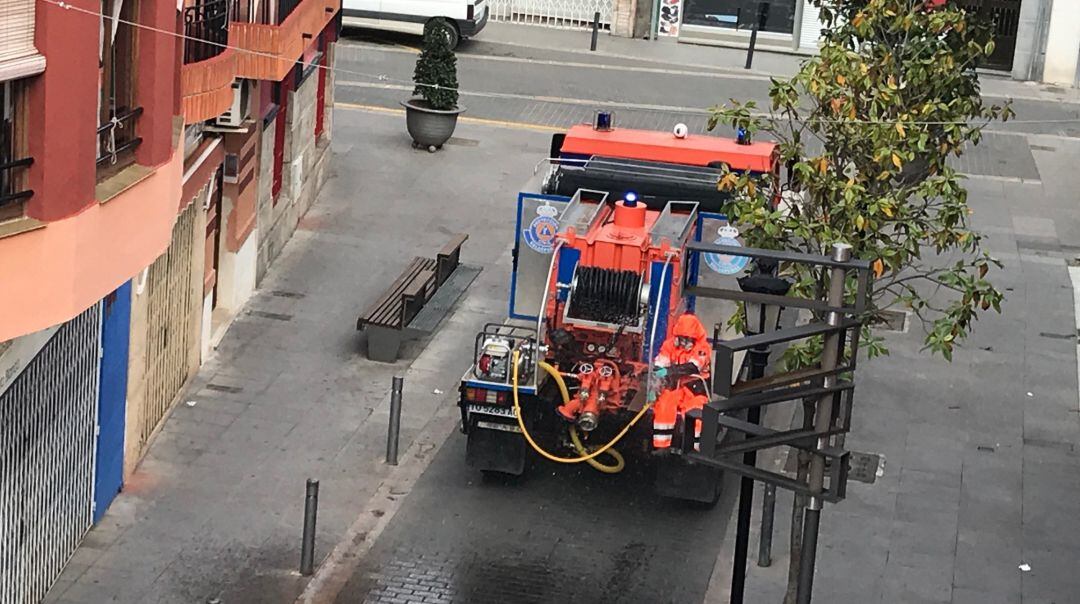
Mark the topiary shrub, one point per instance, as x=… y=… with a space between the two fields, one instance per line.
x=436 y=67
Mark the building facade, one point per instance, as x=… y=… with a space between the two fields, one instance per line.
x=174 y=147
x=1035 y=40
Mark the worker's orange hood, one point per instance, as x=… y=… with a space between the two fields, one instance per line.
x=688 y=326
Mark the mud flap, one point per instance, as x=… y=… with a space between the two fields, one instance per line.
x=678 y=479
x=490 y=450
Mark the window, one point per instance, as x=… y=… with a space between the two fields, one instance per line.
x=13 y=165
x=117 y=115
x=281 y=99
x=778 y=15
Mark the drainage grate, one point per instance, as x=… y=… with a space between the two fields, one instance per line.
x=463 y=142
x=284 y=294
x=1057 y=336
x=1043 y=148
x=223 y=388
x=1050 y=444
x=270 y=315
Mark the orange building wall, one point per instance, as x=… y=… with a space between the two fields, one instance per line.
x=53 y=273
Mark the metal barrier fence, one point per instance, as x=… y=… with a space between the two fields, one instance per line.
x=561 y=14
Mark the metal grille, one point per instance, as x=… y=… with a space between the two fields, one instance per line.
x=168 y=330
x=563 y=14
x=1004 y=15
x=47 y=419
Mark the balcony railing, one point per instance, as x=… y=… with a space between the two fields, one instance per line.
x=264 y=12
x=117 y=138
x=10 y=191
x=206 y=30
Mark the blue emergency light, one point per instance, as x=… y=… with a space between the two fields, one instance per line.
x=604 y=121
x=630 y=199
x=742 y=136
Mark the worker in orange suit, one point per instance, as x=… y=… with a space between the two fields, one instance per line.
x=683 y=365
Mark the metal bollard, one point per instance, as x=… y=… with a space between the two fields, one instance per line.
x=595 y=29
x=395 y=422
x=760 y=18
x=311 y=510
x=768 y=513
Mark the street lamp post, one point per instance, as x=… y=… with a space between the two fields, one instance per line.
x=759 y=318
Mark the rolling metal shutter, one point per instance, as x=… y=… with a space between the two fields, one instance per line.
x=47 y=424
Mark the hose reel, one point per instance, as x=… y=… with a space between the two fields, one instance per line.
x=605 y=296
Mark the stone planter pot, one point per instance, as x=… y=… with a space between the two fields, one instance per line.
x=429 y=128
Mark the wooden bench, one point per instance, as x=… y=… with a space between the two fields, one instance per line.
x=416 y=301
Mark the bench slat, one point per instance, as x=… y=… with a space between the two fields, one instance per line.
x=387 y=310
x=390 y=298
x=395 y=287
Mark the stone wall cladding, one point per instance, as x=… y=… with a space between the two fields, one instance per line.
x=277 y=222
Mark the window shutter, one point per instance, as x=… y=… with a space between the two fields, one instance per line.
x=810 y=28
x=18 y=57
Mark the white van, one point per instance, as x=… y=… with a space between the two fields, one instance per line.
x=467 y=17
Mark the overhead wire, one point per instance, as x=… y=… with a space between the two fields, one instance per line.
x=386 y=78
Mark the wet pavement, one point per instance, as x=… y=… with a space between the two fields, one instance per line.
x=558 y=535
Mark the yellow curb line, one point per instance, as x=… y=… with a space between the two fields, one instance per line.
x=465 y=119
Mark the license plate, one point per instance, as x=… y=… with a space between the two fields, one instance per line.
x=497 y=426
x=492 y=410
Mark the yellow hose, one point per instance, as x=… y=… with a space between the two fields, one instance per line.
x=585 y=456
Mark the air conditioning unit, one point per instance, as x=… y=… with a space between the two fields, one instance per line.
x=238 y=111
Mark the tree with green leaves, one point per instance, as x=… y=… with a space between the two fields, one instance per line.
x=436 y=67
x=866 y=129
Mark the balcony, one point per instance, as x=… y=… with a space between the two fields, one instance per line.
x=209 y=66
x=276 y=33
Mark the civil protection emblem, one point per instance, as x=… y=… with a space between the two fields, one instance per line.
x=727 y=264
x=540 y=233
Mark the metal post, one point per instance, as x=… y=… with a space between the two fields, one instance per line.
x=655 y=26
x=595 y=29
x=841 y=252
x=395 y=422
x=759 y=22
x=758 y=361
x=311 y=510
x=768 y=512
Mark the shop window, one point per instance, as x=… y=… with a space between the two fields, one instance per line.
x=117 y=114
x=14 y=163
x=777 y=16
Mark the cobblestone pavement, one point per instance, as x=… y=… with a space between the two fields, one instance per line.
x=559 y=535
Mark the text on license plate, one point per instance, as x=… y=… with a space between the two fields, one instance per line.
x=492 y=410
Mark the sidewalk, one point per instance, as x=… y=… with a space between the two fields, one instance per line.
x=668 y=51
x=982 y=468
x=215 y=509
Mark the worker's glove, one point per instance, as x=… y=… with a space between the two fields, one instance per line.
x=650 y=397
x=660 y=372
